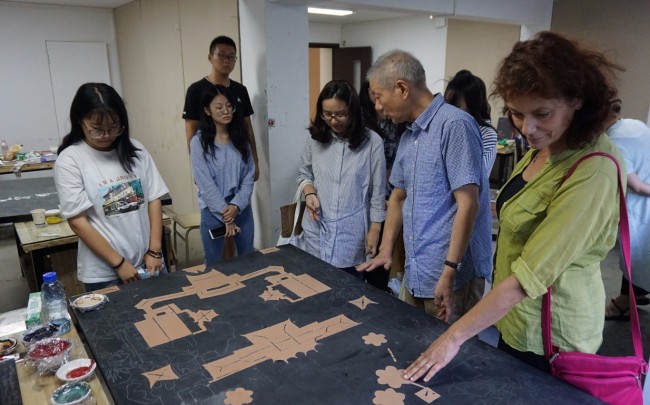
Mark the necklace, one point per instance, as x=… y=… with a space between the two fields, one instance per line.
x=539 y=156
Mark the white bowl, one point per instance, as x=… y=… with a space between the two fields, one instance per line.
x=74 y=393
x=64 y=370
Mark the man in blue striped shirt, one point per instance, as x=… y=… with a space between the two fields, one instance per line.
x=441 y=195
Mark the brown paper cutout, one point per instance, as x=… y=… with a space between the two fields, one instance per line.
x=362 y=302
x=163 y=324
x=239 y=396
x=375 y=339
x=268 y=250
x=199 y=268
x=393 y=377
x=427 y=395
x=279 y=342
x=107 y=290
x=388 y=397
x=162 y=374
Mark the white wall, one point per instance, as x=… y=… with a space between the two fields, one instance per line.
x=280 y=92
x=26 y=104
x=418 y=35
x=325 y=33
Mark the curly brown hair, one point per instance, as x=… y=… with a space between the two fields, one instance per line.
x=552 y=66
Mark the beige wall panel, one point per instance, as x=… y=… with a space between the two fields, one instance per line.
x=201 y=21
x=163 y=48
x=479 y=47
x=621 y=29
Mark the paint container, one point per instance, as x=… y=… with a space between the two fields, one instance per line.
x=38 y=215
x=76 y=393
x=53 y=216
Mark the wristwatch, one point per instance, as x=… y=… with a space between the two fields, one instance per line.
x=455 y=266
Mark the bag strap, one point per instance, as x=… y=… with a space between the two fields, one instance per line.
x=297 y=198
x=624 y=239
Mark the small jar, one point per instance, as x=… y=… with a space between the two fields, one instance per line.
x=53 y=216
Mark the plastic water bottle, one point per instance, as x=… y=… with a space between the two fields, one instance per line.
x=55 y=308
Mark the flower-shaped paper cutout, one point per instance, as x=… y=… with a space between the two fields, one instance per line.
x=388 y=397
x=375 y=339
x=239 y=396
x=391 y=376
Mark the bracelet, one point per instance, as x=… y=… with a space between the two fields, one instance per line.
x=309 y=194
x=154 y=254
x=119 y=264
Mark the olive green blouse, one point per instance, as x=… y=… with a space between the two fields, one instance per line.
x=556 y=234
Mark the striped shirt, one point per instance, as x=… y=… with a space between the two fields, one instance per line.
x=223 y=178
x=350 y=185
x=489 y=136
x=439 y=153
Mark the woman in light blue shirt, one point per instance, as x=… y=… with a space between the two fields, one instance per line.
x=223 y=171
x=345 y=166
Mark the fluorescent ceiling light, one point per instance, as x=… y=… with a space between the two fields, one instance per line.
x=329 y=11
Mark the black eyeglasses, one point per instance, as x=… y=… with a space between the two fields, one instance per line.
x=328 y=116
x=99 y=133
x=223 y=56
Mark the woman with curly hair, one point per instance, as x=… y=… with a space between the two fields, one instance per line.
x=552 y=232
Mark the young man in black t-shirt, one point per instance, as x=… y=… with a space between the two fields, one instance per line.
x=222 y=57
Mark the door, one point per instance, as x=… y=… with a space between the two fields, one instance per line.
x=351 y=64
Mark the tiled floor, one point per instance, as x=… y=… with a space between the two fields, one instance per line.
x=14 y=291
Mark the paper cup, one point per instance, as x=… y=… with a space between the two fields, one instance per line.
x=38 y=215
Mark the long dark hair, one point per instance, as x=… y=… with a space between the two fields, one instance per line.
x=236 y=132
x=100 y=101
x=339 y=90
x=470 y=89
x=369 y=113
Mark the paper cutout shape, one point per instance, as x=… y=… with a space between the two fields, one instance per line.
x=375 y=339
x=239 y=396
x=427 y=395
x=362 y=302
x=388 y=397
x=163 y=324
x=279 y=342
x=393 y=377
x=268 y=250
x=162 y=374
x=200 y=268
x=107 y=290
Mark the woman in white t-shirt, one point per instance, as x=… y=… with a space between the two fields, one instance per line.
x=109 y=190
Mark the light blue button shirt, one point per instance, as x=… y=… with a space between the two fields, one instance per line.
x=350 y=185
x=223 y=178
x=439 y=153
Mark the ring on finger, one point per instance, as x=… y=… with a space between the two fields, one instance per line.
x=429 y=365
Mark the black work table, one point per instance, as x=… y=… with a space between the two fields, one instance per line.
x=284 y=327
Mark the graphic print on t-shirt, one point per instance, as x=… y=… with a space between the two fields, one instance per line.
x=122 y=197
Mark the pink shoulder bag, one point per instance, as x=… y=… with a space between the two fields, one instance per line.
x=615 y=380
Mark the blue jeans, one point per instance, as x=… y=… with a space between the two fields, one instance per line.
x=213 y=248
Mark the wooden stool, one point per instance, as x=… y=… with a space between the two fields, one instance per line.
x=188 y=222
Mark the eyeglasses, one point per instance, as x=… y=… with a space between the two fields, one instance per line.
x=328 y=116
x=224 y=57
x=224 y=109
x=99 y=133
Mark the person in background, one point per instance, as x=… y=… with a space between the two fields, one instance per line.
x=467 y=92
x=552 y=233
x=345 y=166
x=390 y=134
x=441 y=194
x=223 y=169
x=109 y=190
x=632 y=137
x=222 y=57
